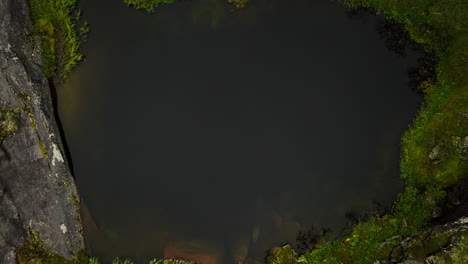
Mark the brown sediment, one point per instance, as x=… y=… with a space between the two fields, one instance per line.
x=171 y=252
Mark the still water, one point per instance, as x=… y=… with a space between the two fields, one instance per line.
x=213 y=134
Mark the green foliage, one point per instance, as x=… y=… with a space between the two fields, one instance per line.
x=93 y=261
x=55 y=23
x=9 y=123
x=148 y=5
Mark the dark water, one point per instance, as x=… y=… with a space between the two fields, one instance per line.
x=223 y=133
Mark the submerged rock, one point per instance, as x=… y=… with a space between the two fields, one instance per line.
x=37 y=190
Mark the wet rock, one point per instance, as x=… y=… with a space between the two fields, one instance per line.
x=37 y=190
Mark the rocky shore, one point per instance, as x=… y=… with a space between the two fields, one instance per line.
x=37 y=191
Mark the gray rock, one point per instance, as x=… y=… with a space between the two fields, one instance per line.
x=37 y=190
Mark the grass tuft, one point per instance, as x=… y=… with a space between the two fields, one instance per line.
x=55 y=22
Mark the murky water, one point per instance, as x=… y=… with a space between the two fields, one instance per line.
x=208 y=133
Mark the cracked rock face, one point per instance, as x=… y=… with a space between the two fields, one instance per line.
x=37 y=191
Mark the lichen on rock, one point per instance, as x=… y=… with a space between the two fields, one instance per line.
x=9 y=123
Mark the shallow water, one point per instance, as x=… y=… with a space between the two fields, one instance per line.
x=201 y=130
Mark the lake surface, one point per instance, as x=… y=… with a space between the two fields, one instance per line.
x=208 y=133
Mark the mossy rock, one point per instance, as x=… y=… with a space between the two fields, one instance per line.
x=424 y=245
x=457 y=253
x=33 y=251
x=9 y=123
x=284 y=255
x=397 y=254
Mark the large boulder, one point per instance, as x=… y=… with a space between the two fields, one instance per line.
x=37 y=191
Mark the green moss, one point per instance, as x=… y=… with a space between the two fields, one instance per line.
x=75 y=199
x=9 y=123
x=43 y=149
x=31 y=118
x=423 y=247
x=24 y=97
x=33 y=251
x=458 y=254
x=66 y=183
x=55 y=23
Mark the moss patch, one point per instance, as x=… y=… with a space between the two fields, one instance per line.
x=458 y=254
x=33 y=251
x=9 y=123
